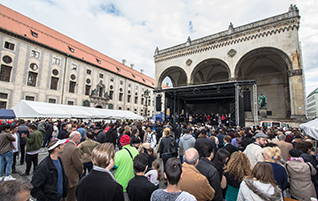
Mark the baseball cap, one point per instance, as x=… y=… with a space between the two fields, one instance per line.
x=59 y=142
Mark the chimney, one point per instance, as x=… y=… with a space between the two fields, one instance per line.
x=132 y=66
x=124 y=61
x=142 y=71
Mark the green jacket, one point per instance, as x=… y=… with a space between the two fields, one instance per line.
x=34 y=141
x=125 y=166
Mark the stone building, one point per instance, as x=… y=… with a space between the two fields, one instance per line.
x=267 y=51
x=40 y=64
x=312 y=104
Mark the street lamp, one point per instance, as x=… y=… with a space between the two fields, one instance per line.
x=146 y=94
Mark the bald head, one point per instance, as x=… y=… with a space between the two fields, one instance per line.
x=191 y=156
x=75 y=137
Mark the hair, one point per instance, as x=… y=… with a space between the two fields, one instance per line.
x=51 y=144
x=166 y=132
x=156 y=165
x=282 y=137
x=10 y=189
x=120 y=131
x=32 y=126
x=220 y=158
x=140 y=162
x=127 y=130
x=134 y=131
x=263 y=172
x=102 y=154
x=272 y=152
x=206 y=148
x=90 y=135
x=239 y=166
x=304 y=146
x=111 y=125
x=241 y=133
x=193 y=160
x=203 y=132
x=173 y=170
x=227 y=138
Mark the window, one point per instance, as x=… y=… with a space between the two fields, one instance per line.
x=35 y=54
x=110 y=106
x=34 y=66
x=129 y=85
x=3 y=105
x=88 y=71
x=118 y=69
x=70 y=102
x=112 y=79
x=142 y=101
x=55 y=72
x=87 y=89
x=136 y=87
x=9 y=45
x=120 y=96
x=98 y=61
x=111 y=95
x=121 y=82
x=3 y=95
x=143 y=80
x=135 y=111
x=34 y=34
x=73 y=77
x=136 y=99
x=71 y=49
x=56 y=61
x=5 y=73
x=7 y=59
x=29 y=98
x=149 y=102
x=101 y=75
x=54 y=82
x=133 y=75
x=72 y=87
x=128 y=98
x=32 y=79
x=128 y=108
x=74 y=67
x=88 y=81
x=51 y=100
x=111 y=87
x=119 y=108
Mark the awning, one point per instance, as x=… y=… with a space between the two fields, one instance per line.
x=311 y=128
x=7 y=114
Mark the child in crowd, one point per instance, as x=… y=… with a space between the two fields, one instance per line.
x=154 y=174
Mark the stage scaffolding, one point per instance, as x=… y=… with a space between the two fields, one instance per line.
x=176 y=98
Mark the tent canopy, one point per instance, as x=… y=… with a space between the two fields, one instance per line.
x=311 y=128
x=7 y=114
x=32 y=109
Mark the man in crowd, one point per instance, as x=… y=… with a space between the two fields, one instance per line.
x=150 y=137
x=49 y=180
x=22 y=129
x=82 y=131
x=284 y=147
x=254 y=151
x=41 y=127
x=228 y=146
x=99 y=184
x=111 y=134
x=204 y=138
x=205 y=166
x=16 y=144
x=139 y=188
x=86 y=149
x=193 y=181
x=62 y=132
x=34 y=142
x=100 y=135
x=187 y=141
x=71 y=158
x=220 y=137
x=124 y=163
x=173 y=173
x=15 y=190
x=48 y=133
x=6 y=154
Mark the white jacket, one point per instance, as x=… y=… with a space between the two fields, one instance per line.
x=254 y=153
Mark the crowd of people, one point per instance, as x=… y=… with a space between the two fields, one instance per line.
x=140 y=160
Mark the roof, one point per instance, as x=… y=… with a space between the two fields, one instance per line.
x=313 y=92
x=29 y=29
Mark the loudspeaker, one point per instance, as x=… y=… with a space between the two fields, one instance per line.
x=158 y=103
x=247 y=100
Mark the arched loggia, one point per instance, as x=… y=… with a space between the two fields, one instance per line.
x=176 y=74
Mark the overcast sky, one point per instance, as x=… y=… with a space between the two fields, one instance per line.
x=132 y=29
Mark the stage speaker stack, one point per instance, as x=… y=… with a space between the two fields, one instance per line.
x=158 y=103
x=247 y=100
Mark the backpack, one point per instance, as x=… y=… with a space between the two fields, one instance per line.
x=173 y=147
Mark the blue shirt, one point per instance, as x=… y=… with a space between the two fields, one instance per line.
x=58 y=166
x=82 y=131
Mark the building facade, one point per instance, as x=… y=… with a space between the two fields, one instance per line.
x=312 y=104
x=266 y=51
x=40 y=64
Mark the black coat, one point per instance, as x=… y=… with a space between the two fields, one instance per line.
x=165 y=145
x=101 y=136
x=49 y=130
x=206 y=168
x=111 y=136
x=139 y=189
x=230 y=148
x=62 y=134
x=44 y=181
x=99 y=186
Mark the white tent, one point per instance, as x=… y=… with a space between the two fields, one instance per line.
x=32 y=109
x=311 y=128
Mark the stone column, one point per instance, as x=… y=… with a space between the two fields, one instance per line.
x=296 y=90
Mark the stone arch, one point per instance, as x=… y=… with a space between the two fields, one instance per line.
x=269 y=67
x=210 y=71
x=176 y=74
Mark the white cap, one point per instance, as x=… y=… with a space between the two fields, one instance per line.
x=59 y=142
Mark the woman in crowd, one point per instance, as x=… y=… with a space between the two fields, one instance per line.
x=165 y=148
x=260 y=185
x=272 y=156
x=235 y=171
x=220 y=159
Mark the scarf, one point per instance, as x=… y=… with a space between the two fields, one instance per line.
x=296 y=159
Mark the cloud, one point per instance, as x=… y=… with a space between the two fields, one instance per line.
x=133 y=29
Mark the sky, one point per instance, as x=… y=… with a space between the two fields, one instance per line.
x=132 y=29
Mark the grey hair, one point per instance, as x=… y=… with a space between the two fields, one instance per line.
x=74 y=134
x=282 y=137
x=193 y=160
x=10 y=189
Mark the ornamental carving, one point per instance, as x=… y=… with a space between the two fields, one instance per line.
x=189 y=62
x=231 y=53
x=295 y=73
